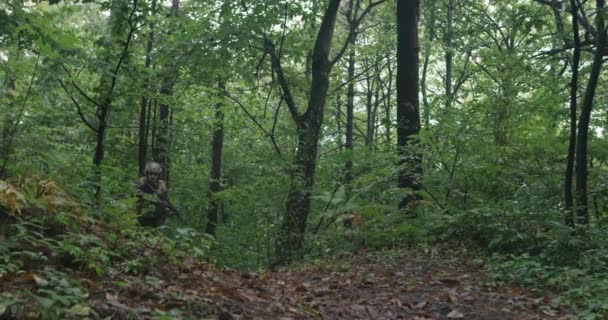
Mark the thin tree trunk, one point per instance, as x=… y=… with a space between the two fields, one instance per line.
x=216 y=166
x=143 y=123
x=9 y=123
x=162 y=138
x=430 y=36
x=585 y=117
x=107 y=85
x=350 y=95
x=569 y=203
x=376 y=105
x=449 y=35
x=338 y=113
x=153 y=120
x=163 y=134
x=503 y=112
x=10 y=120
x=408 y=116
x=372 y=95
x=350 y=115
x=388 y=123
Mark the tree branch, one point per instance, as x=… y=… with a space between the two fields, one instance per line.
x=125 y=49
x=82 y=93
x=227 y=95
x=80 y=113
x=582 y=19
x=353 y=30
x=276 y=67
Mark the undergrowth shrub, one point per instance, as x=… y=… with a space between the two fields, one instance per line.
x=365 y=227
x=48 y=240
x=497 y=229
x=535 y=249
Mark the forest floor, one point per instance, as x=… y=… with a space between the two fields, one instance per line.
x=405 y=284
x=63 y=267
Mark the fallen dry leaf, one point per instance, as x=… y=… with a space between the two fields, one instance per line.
x=450 y=281
x=420 y=305
x=40 y=281
x=455 y=314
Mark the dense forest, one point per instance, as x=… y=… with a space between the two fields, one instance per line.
x=293 y=132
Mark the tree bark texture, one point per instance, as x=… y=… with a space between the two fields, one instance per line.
x=291 y=234
x=430 y=32
x=582 y=212
x=408 y=116
x=107 y=85
x=449 y=35
x=163 y=144
x=217 y=144
x=9 y=123
x=144 y=125
x=387 y=94
x=372 y=103
x=350 y=112
x=569 y=202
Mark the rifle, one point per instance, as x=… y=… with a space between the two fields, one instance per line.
x=150 y=195
x=168 y=205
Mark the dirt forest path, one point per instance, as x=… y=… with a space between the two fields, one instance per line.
x=404 y=285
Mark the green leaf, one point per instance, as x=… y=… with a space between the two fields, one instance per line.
x=45 y=303
x=46 y=49
x=79 y=310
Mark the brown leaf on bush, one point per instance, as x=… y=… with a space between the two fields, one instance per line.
x=11 y=198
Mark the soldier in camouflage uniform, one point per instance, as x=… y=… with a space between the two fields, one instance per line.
x=152 y=196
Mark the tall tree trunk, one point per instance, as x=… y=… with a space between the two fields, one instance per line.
x=350 y=116
x=107 y=84
x=13 y=112
x=216 y=165
x=408 y=116
x=351 y=17
x=502 y=111
x=585 y=117
x=291 y=234
x=388 y=123
x=569 y=203
x=449 y=35
x=163 y=134
x=162 y=139
x=372 y=94
x=9 y=123
x=338 y=120
x=373 y=131
x=430 y=35
x=290 y=240
x=143 y=113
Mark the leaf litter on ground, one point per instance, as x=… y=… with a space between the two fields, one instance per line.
x=415 y=285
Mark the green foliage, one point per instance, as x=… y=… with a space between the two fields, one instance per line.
x=189 y=243
x=88 y=250
x=493 y=160
x=581 y=288
x=499 y=230
x=535 y=250
x=52 y=238
x=6 y=301
x=59 y=297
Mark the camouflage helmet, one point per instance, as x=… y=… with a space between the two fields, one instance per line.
x=153 y=167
